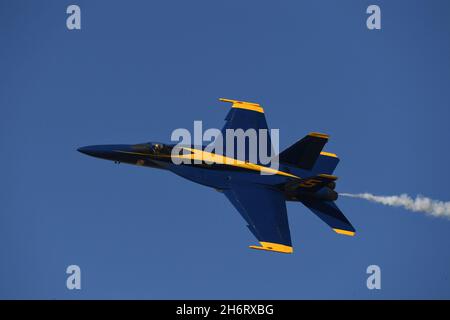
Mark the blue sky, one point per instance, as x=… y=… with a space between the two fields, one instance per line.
x=139 y=69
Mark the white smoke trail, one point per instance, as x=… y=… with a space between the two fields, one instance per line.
x=435 y=208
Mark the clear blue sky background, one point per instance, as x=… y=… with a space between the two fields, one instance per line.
x=139 y=69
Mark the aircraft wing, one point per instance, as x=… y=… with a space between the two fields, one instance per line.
x=264 y=210
x=244 y=115
x=247 y=115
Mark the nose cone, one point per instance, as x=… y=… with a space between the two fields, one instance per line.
x=95 y=151
x=108 y=152
x=90 y=150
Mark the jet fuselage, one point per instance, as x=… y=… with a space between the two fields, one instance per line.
x=217 y=175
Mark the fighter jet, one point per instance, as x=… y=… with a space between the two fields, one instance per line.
x=258 y=191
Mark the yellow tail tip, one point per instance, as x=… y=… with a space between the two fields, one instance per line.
x=329 y=154
x=345 y=232
x=319 y=135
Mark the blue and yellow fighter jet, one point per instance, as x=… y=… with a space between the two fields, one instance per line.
x=304 y=174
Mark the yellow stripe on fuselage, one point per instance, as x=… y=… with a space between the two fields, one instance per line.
x=220 y=159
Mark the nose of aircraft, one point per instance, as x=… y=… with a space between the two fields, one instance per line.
x=95 y=151
x=90 y=150
x=109 y=152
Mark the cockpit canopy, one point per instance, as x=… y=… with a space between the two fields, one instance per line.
x=152 y=148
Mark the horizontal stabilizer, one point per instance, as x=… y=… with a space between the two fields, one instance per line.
x=329 y=213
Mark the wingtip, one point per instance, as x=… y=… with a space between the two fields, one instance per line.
x=252 y=106
x=276 y=247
